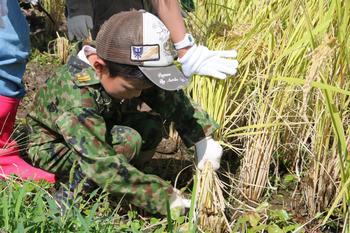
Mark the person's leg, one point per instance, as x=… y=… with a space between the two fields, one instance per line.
x=48 y=150
x=14 y=52
x=124 y=180
x=105 y=170
x=150 y=128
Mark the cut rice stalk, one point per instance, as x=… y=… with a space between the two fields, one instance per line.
x=210 y=202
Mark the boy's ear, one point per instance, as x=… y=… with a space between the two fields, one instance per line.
x=99 y=65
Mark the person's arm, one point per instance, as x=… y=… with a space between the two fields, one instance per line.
x=169 y=12
x=195 y=59
x=193 y=124
x=84 y=131
x=191 y=121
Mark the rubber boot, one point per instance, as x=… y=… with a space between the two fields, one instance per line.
x=10 y=161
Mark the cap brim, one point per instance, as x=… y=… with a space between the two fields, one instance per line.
x=166 y=77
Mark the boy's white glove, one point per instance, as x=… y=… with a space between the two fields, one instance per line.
x=200 y=60
x=208 y=149
x=178 y=203
x=79 y=26
x=3 y=12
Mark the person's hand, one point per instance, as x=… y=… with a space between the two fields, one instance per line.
x=33 y=2
x=79 y=26
x=200 y=60
x=178 y=204
x=208 y=149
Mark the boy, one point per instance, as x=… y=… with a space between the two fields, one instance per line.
x=86 y=114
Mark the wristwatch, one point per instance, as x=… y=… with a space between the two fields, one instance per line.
x=187 y=41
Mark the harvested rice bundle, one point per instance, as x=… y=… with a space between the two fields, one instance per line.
x=60 y=48
x=209 y=201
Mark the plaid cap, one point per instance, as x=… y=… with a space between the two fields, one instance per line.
x=141 y=39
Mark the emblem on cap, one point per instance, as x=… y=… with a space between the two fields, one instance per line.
x=137 y=52
x=144 y=53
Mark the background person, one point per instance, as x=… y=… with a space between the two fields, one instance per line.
x=14 y=52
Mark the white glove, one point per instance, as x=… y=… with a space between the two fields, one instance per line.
x=200 y=60
x=34 y=2
x=79 y=26
x=3 y=12
x=178 y=203
x=208 y=149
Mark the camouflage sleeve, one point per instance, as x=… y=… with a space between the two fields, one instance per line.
x=191 y=121
x=85 y=132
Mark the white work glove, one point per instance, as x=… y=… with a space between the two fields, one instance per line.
x=3 y=12
x=79 y=26
x=34 y=2
x=200 y=60
x=178 y=204
x=208 y=149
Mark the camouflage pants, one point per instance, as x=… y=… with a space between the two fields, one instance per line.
x=141 y=131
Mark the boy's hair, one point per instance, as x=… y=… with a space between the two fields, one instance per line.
x=131 y=71
x=128 y=71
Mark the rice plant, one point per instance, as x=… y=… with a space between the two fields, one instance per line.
x=55 y=15
x=290 y=96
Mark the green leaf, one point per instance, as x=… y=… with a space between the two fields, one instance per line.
x=262 y=207
x=281 y=215
x=289 y=178
x=293 y=227
x=19 y=201
x=274 y=229
x=82 y=220
x=5 y=210
x=135 y=225
x=154 y=221
x=20 y=227
x=253 y=219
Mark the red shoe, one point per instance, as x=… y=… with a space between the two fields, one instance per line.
x=10 y=161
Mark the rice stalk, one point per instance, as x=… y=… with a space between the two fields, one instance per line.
x=60 y=48
x=290 y=97
x=56 y=11
x=209 y=201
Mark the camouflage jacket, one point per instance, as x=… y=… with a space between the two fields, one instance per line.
x=73 y=104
